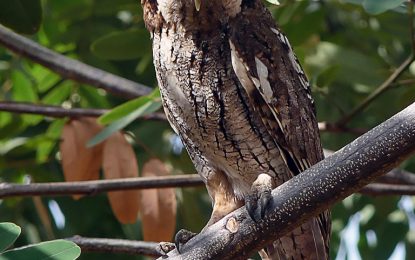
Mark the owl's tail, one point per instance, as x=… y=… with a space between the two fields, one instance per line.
x=309 y=241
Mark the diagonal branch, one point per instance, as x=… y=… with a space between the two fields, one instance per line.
x=388 y=83
x=70 y=68
x=236 y=236
x=380 y=90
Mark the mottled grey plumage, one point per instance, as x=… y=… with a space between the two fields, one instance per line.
x=234 y=91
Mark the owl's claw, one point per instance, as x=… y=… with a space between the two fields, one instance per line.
x=182 y=237
x=260 y=198
x=164 y=248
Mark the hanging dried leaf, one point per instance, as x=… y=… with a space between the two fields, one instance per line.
x=79 y=162
x=158 y=206
x=119 y=161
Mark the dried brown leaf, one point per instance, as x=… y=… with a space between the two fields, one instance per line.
x=80 y=163
x=120 y=162
x=158 y=206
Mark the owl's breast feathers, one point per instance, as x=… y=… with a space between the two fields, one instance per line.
x=234 y=91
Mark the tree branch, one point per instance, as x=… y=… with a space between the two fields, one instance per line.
x=116 y=246
x=59 y=112
x=69 y=68
x=380 y=90
x=98 y=186
x=395 y=182
x=381 y=189
x=52 y=111
x=308 y=194
x=388 y=83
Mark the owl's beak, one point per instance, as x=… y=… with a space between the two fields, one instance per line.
x=197 y=4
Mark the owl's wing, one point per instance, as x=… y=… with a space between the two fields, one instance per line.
x=278 y=90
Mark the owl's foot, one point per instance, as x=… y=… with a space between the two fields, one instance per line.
x=182 y=237
x=164 y=248
x=260 y=198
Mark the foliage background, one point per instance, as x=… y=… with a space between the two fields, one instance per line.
x=346 y=50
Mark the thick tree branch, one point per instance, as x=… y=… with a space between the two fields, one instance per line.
x=236 y=236
x=94 y=187
x=116 y=246
x=59 y=112
x=69 y=68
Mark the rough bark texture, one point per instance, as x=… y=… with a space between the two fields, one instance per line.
x=236 y=236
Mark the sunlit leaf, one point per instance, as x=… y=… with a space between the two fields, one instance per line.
x=380 y=6
x=127 y=108
x=127 y=113
x=274 y=2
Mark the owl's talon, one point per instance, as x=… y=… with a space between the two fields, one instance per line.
x=265 y=202
x=260 y=197
x=182 y=237
x=251 y=204
x=164 y=248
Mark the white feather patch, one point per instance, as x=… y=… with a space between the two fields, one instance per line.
x=263 y=78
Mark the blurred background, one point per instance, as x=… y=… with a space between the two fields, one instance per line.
x=347 y=48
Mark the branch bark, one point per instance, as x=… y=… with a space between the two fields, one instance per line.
x=395 y=182
x=236 y=236
x=95 y=187
x=106 y=245
x=59 y=112
x=70 y=68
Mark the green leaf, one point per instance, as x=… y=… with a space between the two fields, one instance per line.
x=56 y=250
x=126 y=113
x=23 y=89
x=125 y=45
x=380 y=6
x=8 y=234
x=23 y=16
x=125 y=109
x=44 y=148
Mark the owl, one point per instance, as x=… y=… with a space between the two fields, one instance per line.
x=234 y=91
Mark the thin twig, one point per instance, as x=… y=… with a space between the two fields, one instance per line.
x=394 y=179
x=116 y=246
x=59 y=112
x=388 y=83
x=52 y=111
x=380 y=90
x=98 y=186
x=70 y=68
x=381 y=189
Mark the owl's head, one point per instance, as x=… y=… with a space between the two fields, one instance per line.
x=162 y=12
